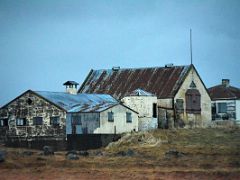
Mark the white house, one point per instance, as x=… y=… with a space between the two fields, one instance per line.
x=225 y=102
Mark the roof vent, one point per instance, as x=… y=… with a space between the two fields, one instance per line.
x=116 y=68
x=169 y=65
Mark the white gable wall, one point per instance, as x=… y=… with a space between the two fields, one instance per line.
x=205 y=117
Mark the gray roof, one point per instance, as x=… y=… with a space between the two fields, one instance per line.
x=79 y=102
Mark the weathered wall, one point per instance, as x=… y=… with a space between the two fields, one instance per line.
x=21 y=108
x=119 y=125
x=144 y=106
x=203 y=119
x=89 y=122
x=146 y=123
x=141 y=104
x=238 y=111
x=165 y=103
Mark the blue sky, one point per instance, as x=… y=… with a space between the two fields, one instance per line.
x=45 y=43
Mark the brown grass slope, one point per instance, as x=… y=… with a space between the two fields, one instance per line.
x=202 y=154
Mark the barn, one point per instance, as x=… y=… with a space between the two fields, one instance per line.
x=182 y=97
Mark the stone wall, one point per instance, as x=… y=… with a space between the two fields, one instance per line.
x=27 y=106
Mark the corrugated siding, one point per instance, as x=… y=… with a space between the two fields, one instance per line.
x=160 y=81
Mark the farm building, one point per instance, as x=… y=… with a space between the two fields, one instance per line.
x=41 y=113
x=182 y=98
x=225 y=102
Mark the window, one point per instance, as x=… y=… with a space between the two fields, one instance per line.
x=222 y=107
x=37 y=121
x=21 y=122
x=193 y=101
x=154 y=110
x=129 y=117
x=3 y=122
x=110 y=116
x=179 y=105
x=76 y=120
x=55 y=121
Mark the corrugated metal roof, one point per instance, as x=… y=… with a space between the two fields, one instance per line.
x=80 y=102
x=162 y=81
x=140 y=92
x=223 y=92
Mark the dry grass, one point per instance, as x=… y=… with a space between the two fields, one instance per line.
x=208 y=154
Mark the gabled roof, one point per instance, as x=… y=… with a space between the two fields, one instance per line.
x=224 y=92
x=75 y=103
x=162 y=81
x=80 y=102
x=140 y=92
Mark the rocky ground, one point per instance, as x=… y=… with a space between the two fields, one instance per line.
x=161 y=154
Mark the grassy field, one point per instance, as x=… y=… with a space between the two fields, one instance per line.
x=160 y=154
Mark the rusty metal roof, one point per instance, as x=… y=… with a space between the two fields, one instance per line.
x=164 y=82
x=224 y=92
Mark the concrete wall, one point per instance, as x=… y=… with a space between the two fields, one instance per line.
x=20 y=108
x=165 y=103
x=141 y=104
x=145 y=123
x=119 y=125
x=238 y=111
x=203 y=119
x=144 y=106
x=89 y=122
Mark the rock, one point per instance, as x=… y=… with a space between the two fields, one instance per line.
x=83 y=153
x=129 y=152
x=2 y=155
x=27 y=153
x=174 y=153
x=48 y=150
x=72 y=157
x=71 y=152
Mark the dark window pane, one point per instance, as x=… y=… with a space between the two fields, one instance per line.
x=37 y=121
x=54 y=120
x=154 y=110
x=129 y=117
x=3 y=122
x=110 y=117
x=76 y=120
x=222 y=107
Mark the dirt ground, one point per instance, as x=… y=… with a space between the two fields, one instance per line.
x=201 y=154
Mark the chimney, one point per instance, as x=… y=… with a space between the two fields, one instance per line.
x=225 y=82
x=71 y=87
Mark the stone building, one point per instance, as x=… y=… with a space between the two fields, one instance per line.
x=42 y=113
x=145 y=104
x=182 y=98
x=225 y=102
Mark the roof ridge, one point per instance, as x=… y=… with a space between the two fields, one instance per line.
x=141 y=68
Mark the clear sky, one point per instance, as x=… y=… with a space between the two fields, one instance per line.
x=45 y=43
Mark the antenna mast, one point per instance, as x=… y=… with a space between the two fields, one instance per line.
x=191 y=45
